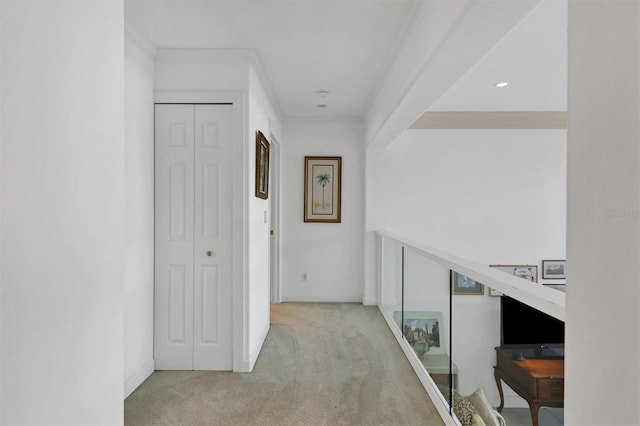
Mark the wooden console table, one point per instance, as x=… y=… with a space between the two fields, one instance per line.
x=539 y=381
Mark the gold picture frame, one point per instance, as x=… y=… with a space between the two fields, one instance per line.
x=263 y=150
x=323 y=189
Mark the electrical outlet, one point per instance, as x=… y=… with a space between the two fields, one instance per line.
x=305 y=276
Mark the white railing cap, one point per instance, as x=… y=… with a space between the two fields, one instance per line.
x=545 y=299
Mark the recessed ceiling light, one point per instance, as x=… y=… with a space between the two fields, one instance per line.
x=502 y=84
x=323 y=106
x=322 y=93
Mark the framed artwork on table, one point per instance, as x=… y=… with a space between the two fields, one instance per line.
x=262 y=166
x=423 y=330
x=322 y=189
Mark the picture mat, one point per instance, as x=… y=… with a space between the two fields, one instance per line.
x=553 y=269
x=463 y=285
x=322 y=189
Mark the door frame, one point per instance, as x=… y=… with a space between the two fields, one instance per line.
x=240 y=173
x=274 y=242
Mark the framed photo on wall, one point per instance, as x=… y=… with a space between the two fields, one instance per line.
x=463 y=285
x=262 y=166
x=553 y=269
x=526 y=272
x=322 y=189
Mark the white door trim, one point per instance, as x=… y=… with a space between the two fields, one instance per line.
x=240 y=172
x=274 y=244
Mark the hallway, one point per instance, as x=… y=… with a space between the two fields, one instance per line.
x=321 y=364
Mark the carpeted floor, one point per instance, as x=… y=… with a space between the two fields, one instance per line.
x=321 y=364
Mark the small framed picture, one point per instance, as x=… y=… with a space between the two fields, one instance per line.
x=463 y=285
x=553 y=269
x=526 y=272
x=322 y=189
x=423 y=330
x=262 y=166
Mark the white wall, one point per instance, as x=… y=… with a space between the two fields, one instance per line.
x=2 y=86
x=62 y=210
x=202 y=71
x=602 y=339
x=201 y=75
x=139 y=190
x=491 y=196
x=262 y=117
x=331 y=253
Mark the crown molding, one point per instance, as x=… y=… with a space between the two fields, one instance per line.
x=202 y=55
x=323 y=120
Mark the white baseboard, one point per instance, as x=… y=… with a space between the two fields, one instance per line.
x=328 y=299
x=370 y=301
x=256 y=351
x=140 y=376
x=244 y=367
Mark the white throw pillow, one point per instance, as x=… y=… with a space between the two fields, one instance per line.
x=483 y=407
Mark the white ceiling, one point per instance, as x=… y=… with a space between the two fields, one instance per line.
x=346 y=47
x=304 y=45
x=532 y=58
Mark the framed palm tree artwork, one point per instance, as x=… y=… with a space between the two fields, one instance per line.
x=322 y=189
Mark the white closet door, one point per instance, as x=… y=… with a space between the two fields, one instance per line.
x=193 y=292
x=213 y=245
x=174 y=206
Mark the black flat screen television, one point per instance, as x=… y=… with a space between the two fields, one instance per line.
x=522 y=326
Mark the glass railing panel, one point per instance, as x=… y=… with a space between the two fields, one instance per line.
x=427 y=317
x=476 y=334
x=452 y=330
x=390 y=276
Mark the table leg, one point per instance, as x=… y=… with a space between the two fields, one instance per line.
x=534 y=413
x=499 y=383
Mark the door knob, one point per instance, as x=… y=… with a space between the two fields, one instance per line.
x=209 y=253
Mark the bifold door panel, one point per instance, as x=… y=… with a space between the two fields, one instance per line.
x=193 y=223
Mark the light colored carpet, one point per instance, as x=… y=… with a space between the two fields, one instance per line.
x=321 y=364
